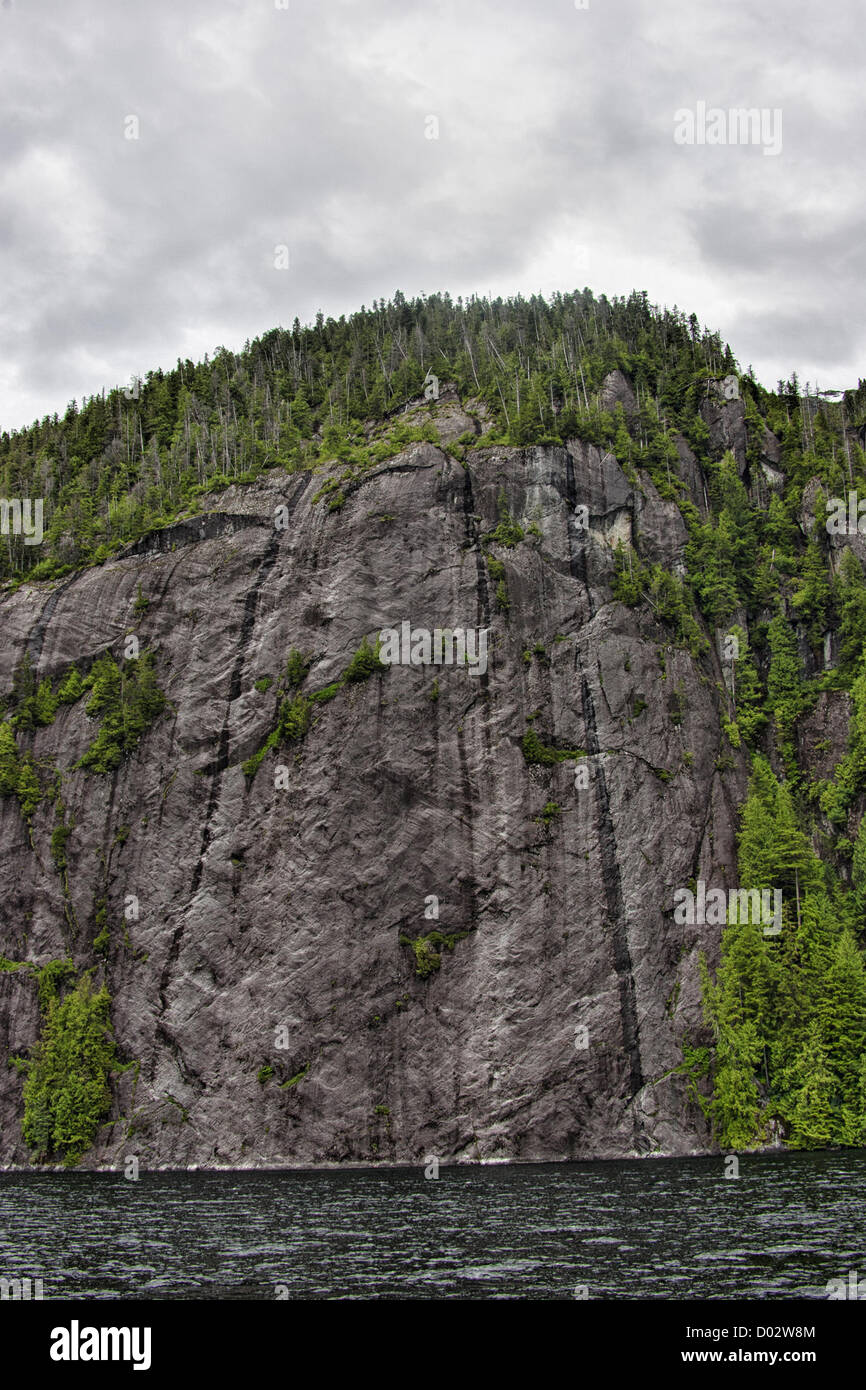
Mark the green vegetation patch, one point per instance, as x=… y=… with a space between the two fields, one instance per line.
x=294 y=717
x=293 y=1080
x=787 y=1011
x=545 y=755
x=364 y=664
x=634 y=582
x=508 y=532
x=18 y=775
x=127 y=700
x=428 y=949
x=66 y=1091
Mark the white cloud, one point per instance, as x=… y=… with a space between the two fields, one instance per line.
x=555 y=167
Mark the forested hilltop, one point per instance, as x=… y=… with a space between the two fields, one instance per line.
x=770 y=592
x=131 y=459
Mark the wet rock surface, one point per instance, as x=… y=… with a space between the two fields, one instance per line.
x=269 y=917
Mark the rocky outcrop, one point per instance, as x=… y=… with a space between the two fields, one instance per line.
x=726 y=421
x=257 y=956
x=824 y=733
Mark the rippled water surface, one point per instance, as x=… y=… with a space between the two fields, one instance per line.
x=670 y=1228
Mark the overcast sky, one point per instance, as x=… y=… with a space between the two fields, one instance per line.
x=556 y=166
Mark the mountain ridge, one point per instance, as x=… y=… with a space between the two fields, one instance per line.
x=284 y=814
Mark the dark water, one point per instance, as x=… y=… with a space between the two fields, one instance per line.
x=670 y=1228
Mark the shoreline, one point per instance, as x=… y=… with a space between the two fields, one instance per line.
x=464 y=1165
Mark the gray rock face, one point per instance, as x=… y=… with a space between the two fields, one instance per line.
x=617 y=390
x=825 y=732
x=726 y=421
x=269 y=917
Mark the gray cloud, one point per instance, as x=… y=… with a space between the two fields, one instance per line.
x=555 y=167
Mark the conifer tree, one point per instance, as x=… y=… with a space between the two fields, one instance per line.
x=851 y=602
x=813 y=592
x=9 y=766
x=811 y=1119
x=842 y=1012
x=735 y=1108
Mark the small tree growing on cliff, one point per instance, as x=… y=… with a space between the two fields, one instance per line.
x=66 y=1093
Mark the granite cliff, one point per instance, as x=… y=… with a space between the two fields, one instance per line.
x=413 y=930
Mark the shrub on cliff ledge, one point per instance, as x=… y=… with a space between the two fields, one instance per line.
x=66 y=1093
x=541 y=754
x=294 y=718
x=128 y=699
x=364 y=663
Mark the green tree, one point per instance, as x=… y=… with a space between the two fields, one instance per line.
x=851 y=602
x=9 y=766
x=71 y=688
x=735 y=1108
x=127 y=701
x=629 y=576
x=812 y=597
x=858 y=874
x=853 y=1117
x=66 y=1092
x=44 y=704
x=748 y=691
x=842 y=1011
x=714 y=576
x=811 y=1122
x=773 y=851
x=29 y=791
x=787 y=695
